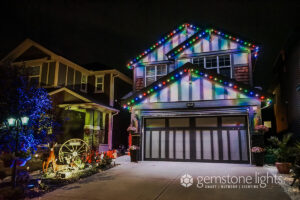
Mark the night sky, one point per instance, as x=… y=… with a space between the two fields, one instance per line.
x=112 y=32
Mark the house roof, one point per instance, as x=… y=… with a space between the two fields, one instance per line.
x=31 y=50
x=82 y=96
x=201 y=31
x=165 y=81
x=204 y=32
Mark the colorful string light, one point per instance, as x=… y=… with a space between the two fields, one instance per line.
x=200 y=34
x=196 y=37
x=184 y=70
x=161 y=42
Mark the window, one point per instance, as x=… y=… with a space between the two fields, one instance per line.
x=34 y=75
x=83 y=82
x=99 y=86
x=211 y=62
x=154 y=72
x=220 y=63
x=199 y=61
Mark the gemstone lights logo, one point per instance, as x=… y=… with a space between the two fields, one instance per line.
x=186 y=180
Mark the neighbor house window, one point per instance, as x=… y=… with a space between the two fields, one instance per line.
x=154 y=72
x=220 y=63
x=83 y=86
x=34 y=75
x=99 y=86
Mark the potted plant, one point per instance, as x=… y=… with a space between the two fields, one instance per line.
x=261 y=129
x=258 y=155
x=134 y=153
x=283 y=154
x=270 y=157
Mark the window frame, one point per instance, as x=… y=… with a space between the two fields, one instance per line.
x=155 y=72
x=96 y=83
x=82 y=83
x=218 y=67
x=34 y=76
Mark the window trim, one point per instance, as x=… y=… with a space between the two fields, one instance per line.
x=155 y=72
x=218 y=65
x=81 y=83
x=34 y=76
x=96 y=83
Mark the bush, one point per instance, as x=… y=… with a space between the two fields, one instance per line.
x=283 y=151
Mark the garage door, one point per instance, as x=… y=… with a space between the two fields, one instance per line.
x=206 y=139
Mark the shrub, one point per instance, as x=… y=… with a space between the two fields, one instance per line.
x=284 y=152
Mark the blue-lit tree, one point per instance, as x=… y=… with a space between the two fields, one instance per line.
x=18 y=99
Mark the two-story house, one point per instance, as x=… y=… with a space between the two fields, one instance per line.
x=85 y=98
x=193 y=97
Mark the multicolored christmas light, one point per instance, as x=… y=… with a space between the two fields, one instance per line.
x=191 y=41
x=161 y=42
x=190 y=68
x=200 y=34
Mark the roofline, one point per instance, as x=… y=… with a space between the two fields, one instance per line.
x=81 y=97
x=27 y=43
x=114 y=71
x=199 y=30
x=139 y=96
x=71 y=92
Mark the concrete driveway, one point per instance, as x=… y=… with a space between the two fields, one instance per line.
x=161 y=180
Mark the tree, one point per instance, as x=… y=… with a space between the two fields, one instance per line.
x=18 y=99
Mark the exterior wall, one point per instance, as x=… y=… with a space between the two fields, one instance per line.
x=194 y=89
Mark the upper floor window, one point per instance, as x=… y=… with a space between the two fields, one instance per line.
x=83 y=85
x=34 y=75
x=99 y=86
x=220 y=63
x=154 y=72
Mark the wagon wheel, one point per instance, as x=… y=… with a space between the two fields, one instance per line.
x=74 y=149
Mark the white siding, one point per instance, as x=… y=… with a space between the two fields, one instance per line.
x=241 y=58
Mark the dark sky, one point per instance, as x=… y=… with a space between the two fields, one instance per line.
x=112 y=32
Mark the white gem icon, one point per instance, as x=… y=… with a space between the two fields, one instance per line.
x=186 y=180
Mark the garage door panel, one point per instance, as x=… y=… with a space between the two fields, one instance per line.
x=179 y=144
x=215 y=145
x=225 y=145
x=244 y=144
x=155 y=144
x=207 y=150
x=171 y=145
x=163 y=144
x=234 y=145
x=147 y=144
x=198 y=144
x=187 y=144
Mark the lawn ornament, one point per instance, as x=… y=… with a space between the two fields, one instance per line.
x=74 y=152
x=51 y=159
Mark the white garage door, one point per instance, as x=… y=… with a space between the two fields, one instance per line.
x=210 y=139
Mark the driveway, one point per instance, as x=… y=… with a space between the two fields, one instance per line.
x=161 y=180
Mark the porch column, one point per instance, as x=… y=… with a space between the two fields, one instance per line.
x=97 y=127
x=88 y=127
x=110 y=127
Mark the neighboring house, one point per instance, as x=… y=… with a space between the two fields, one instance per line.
x=193 y=99
x=85 y=99
x=286 y=86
